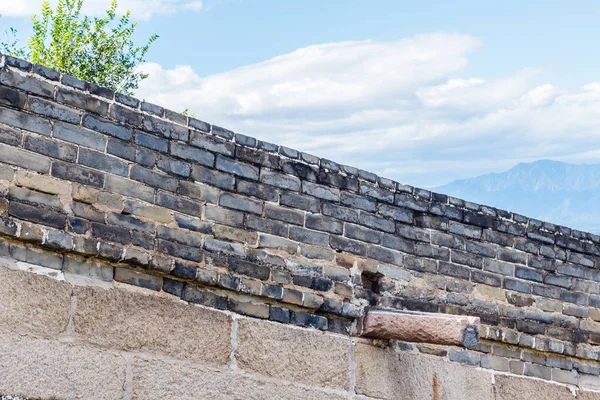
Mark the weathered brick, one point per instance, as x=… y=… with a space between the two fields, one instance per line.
x=129 y=222
x=220 y=246
x=52 y=110
x=486 y=278
x=237 y=168
x=385 y=255
x=193 y=224
x=498 y=267
x=78 y=135
x=10 y=136
x=381 y=194
x=301 y=170
x=51 y=148
x=199 y=191
x=360 y=202
x=275 y=242
x=322 y=223
x=307 y=236
x=284 y=214
x=33 y=197
x=246 y=268
x=26 y=83
x=241 y=203
x=129 y=188
x=257 y=157
x=264 y=192
x=178 y=203
x=279 y=180
x=302 y=202
x=103 y=162
x=518 y=286
x=471 y=232
x=363 y=234
x=212 y=143
x=192 y=153
x=268 y=226
x=394 y=242
x=376 y=222
x=320 y=191
x=111 y=233
x=136 y=278
x=455 y=270
x=102 y=125
x=46 y=72
x=425 y=250
x=174 y=166
x=24 y=121
x=12 y=98
x=81 y=100
x=348 y=245
x=154 y=179
x=212 y=177
x=79 y=174
x=464 y=357
x=151 y=141
x=339 y=212
x=194 y=294
x=165 y=129
x=180 y=250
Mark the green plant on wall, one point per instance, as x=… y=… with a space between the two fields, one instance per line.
x=99 y=50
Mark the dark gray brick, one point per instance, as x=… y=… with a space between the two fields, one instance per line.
x=152 y=109
x=199 y=191
x=268 y=226
x=264 y=192
x=212 y=177
x=446 y=211
x=394 y=242
x=518 y=286
x=245 y=140
x=255 y=156
x=34 y=197
x=154 y=179
x=103 y=162
x=410 y=232
x=50 y=109
x=129 y=222
x=73 y=82
x=198 y=124
x=455 y=270
x=322 y=223
x=180 y=250
x=77 y=135
x=178 y=203
x=121 y=149
x=464 y=357
x=193 y=224
x=76 y=173
x=192 y=153
x=24 y=159
x=10 y=136
x=348 y=245
x=165 y=128
x=499 y=267
x=309 y=320
x=184 y=270
x=284 y=214
x=26 y=83
x=283 y=181
x=224 y=216
x=21 y=120
x=571 y=270
x=385 y=255
x=320 y=191
x=151 y=141
x=302 y=202
x=125 y=115
x=104 y=126
x=426 y=250
x=12 y=97
x=250 y=269
x=376 y=192
x=482 y=249
x=485 y=278
x=127 y=100
x=339 y=212
x=18 y=63
x=237 y=168
x=194 y=294
x=241 y=203
x=224 y=133
x=212 y=143
x=555 y=280
x=174 y=166
x=376 y=222
x=46 y=72
x=472 y=232
x=410 y=202
x=51 y=148
x=37 y=214
x=307 y=236
x=301 y=170
x=363 y=234
x=513 y=256
x=396 y=213
x=111 y=233
x=360 y=202
x=447 y=240
x=178 y=236
x=529 y=274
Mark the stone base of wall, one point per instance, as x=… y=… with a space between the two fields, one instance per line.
x=65 y=341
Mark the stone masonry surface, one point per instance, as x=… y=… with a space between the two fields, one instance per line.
x=97 y=185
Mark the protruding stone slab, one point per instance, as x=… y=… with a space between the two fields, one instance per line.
x=420 y=327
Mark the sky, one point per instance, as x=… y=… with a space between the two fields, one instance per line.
x=421 y=92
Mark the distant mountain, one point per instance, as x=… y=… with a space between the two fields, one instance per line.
x=553 y=191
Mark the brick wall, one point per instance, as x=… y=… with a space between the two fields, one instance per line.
x=101 y=187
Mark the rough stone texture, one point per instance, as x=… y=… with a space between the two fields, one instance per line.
x=511 y=388
x=154 y=379
x=41 y=368
x=129 y=320
x=33 y=303
x=420 y=327
x=293 y=354
x=385 y=374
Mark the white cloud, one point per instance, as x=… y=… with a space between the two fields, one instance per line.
x=397 y=108
x=140 y=9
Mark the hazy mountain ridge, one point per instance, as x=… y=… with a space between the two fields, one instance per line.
x=562 y=193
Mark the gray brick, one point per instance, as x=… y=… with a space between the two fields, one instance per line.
x=32 y=196
x=447 y=240
x=174 y=166
x=376 y=222
x=320 y=191
x=37 y=257
x=224 y=216
x=194 y=294
x=250 y=269
x=537 y=371
x=12 y=97
x=301 y=170
x=339 y=212
x=302 y=202
x=129 y=188
x=165 y=128
x=152 y=109
x=513 y=256
x=561 y=281
x=486 y=278
x=264 y=192
x=73 y=82
x=518 y=286
x=469 y=259
x=390 y=257
x=307 y=236
x=212 y=177
x=278 y=243
x=129 y=222
x=224 y=133
x=410 y=202
x=309 y=320
x=245 y=140
x=154 y=179
x=348 y=245
x=179 y=236
x=103 y=162
x=77 y=135
x=268 y=226
x=111 y=233
x=151 y=141
x=193 y=224
x=284 y=214
x=360 y=202
x=472 y=232
x=322 y=223
x=571 y=270
x=99 y=124
x=376 y=192
x=76 y=173
x=46 y=72
x=363 y=234
x=26 y=83
x=21 y=120
x=499 y=267
x=581 y=260
x=220 y=246
x=455 y=270
x=126 y=115
x=200 y=125
x=283 y=181
x=529 y=274
x=192 y=153
x=241 y=203
x=127 y=100
x=446 y=211
x=394 y=242
x=178 y=203
x=52 y=110
x=180 y=250
x=410 y=232
x=237 y=168
x=51 y=148
x=140 y=279
x=37 y=214
x=10 y=136
x=464 y=357
x=482 y=249
x=257 y=157
x=212 y=143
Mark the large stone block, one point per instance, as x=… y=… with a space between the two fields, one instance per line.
x=40 y=368
x=294 y=354
x=33 y=303
x=510 y=388
x=385 y=374
x=131 y=320
x=170 y=381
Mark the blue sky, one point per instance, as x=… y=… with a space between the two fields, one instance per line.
x=424 y=92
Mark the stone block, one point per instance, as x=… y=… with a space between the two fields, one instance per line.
x=510 y=388
x=102 y=125
x=51 y=148
x=33 y=303
x=24 y=159
x=288 y=353
x=40 y=368
x=78 y=135
x=133 y=321
x=237 y=168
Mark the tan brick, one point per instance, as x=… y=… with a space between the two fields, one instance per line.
x=145 y=210
x=511 y=388
x=238 y=235
x=41 y=368
x=85 y=194
x=43 y=183
x=131 y=320
x=383 y=373
x=295 y=354
x=169 y=381
x=33 y=303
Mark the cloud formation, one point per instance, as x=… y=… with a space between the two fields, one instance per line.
x=140 y=9
x=400 y=109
